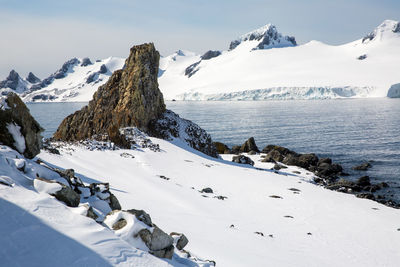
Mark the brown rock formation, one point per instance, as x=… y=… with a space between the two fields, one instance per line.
x=130 y=98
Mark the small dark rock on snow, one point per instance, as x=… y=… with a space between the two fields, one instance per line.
x=242 y=160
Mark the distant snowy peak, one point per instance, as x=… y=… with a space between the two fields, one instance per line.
x=14 y=82
x=32 y=78
x=387 y=29
x=266 y=37
x=76 y=80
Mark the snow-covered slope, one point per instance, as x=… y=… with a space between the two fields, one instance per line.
x=363 y=68
x=311 y=227
x=76 y=81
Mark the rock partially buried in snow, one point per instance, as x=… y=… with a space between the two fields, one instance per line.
x=180 y=240
x=242 y=160
x=131 y=227
x=18 y=129
x=58 y=190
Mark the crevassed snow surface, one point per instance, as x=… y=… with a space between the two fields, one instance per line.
x=315 y=227
x=363 y=68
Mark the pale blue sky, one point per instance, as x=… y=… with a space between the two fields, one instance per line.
x=40 y=35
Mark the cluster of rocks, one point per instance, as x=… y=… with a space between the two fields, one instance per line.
x=136 y=226
x=327 y=173
x=131 y=98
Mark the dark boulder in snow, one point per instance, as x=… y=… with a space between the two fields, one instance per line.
x=249 y=145
x=180 y=240
x=18 y=129
x=60 y=191
x=242 y=160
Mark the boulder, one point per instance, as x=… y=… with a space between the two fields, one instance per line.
x=249 y=145
x=283 y=150
x=362 y=167
x=60 y=191
x=235 y=149
x=180 y=240
x=221 y=147
x=242 y=160
x=344 y=185
x=307 y=160
x=366 y=195
x=18 y=129
x=159 y=243
x=363 y=181
x=273 y=156
x=142 y=216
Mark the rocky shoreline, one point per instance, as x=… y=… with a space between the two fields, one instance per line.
x=327 y=174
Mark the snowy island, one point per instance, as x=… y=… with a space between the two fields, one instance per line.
x=126 y=182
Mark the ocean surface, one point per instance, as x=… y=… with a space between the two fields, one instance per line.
x=350 y=131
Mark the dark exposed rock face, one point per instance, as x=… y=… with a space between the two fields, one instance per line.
x=210 y=54
x=130 y=98
x=11 y=81
x=86 y=62
x=16 y=113
x=61 y=73
x=32 y=78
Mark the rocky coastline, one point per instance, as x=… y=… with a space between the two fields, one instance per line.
x=327 y=173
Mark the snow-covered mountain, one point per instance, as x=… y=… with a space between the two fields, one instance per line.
x=264 y=64
x=75 y=81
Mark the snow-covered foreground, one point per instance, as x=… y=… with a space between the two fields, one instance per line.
x=307 y=226
x=363 y=68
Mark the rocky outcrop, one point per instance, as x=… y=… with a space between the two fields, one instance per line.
x=249 y=145
x=222 y=148
x=18 y=129
x=32 y=78
x=131 y=98
x=170 y=126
